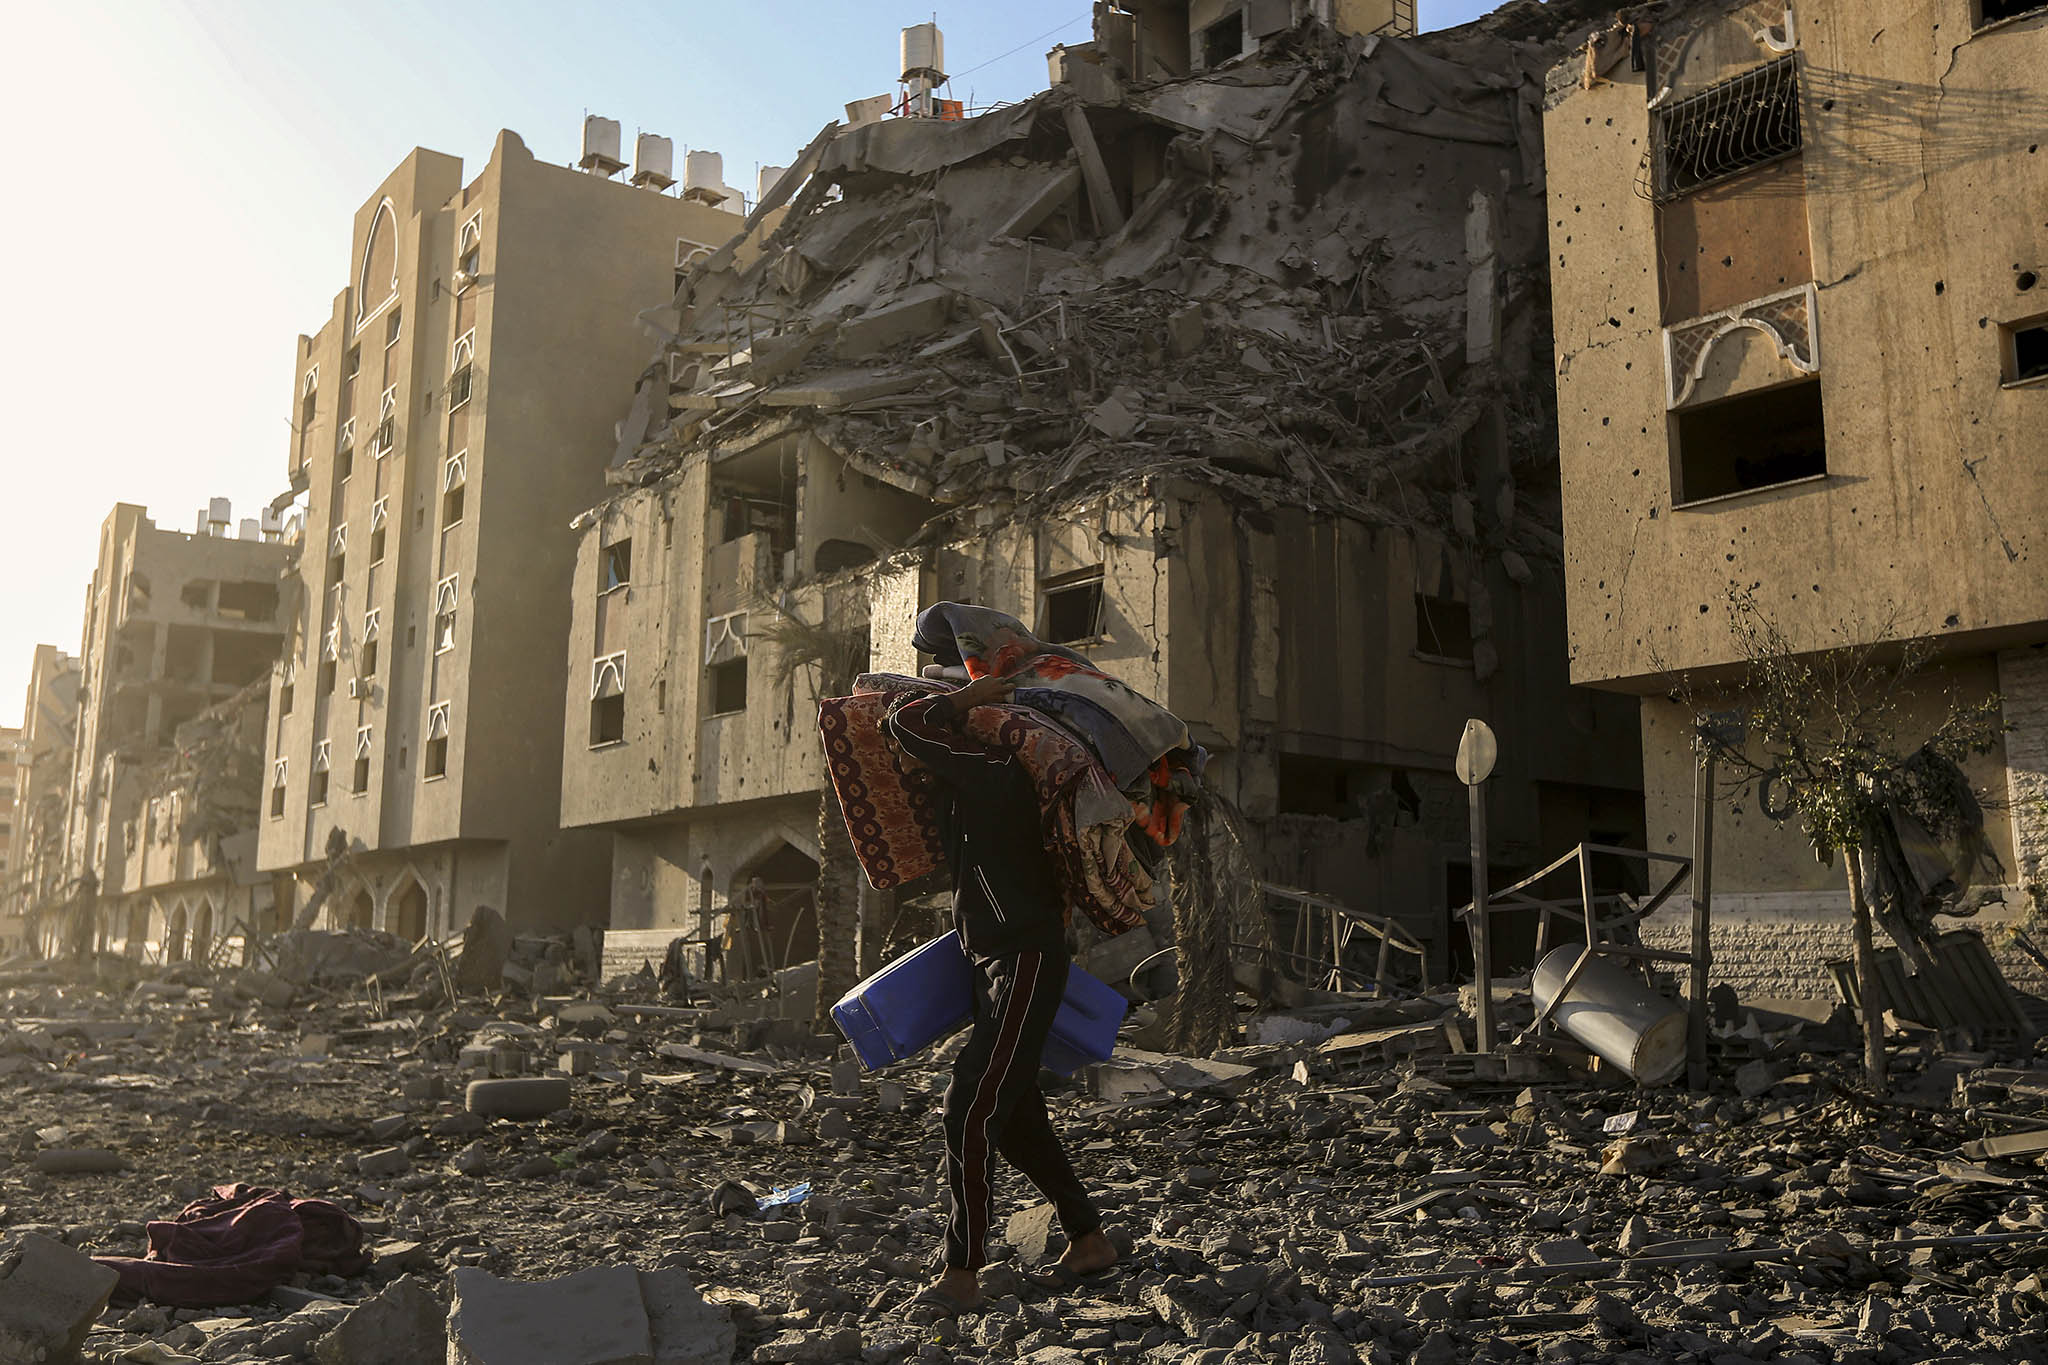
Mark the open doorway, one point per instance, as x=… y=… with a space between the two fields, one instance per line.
x=779 y=892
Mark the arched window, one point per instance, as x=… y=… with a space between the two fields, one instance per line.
x=377 y=285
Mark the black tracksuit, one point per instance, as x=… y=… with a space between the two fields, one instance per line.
x=1007 y=909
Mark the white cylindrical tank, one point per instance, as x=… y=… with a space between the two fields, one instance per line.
x=764 y=181
x=600 y=141
x=251 y=529
x=704 y=171
x=220 y=511
x=199 y=523
x=924 y=49
x=654 y=159
x=1614 y=1014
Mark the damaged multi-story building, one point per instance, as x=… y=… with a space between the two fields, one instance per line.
x=175 y=624
x=42 y=784
x=1236 y=382
x=1802 y=353
x=460 y=397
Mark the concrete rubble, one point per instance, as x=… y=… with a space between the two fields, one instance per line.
x=1387 y=1198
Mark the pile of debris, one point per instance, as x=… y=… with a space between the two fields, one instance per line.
x=1327 y=291
x=1346 y=1183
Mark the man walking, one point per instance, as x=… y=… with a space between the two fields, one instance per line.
x=1008 y=909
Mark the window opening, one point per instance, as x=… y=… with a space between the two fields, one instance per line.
x=277 y=776
x=2028 y=351
x=608 y=700
x=353 y=366
x=618 y=564
x=1748 y=442
x=361 y=775
x=1070 y=607
x=284 y=697
x=391 y=328
x=1443 y=628
x=436 y=755
x=318 y=794
x=1998 y=11
x=453 y=477
x=1223 y=39
x=444 y=614
x=459 y=380
x=728 y=690
x=344 y=463
x=1728 y=129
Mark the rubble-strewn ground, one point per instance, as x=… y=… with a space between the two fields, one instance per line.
x=1263 y=1206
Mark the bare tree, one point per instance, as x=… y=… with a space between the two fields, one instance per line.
x=833 y=656
x=1825 y=736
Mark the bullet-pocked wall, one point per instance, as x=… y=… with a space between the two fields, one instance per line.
x=1794 y=275
x=1921 y=168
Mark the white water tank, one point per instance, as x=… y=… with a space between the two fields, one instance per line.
x=704 y=171
x=272 y=522
x=764 y=181
x=199 y=523
x=220 y=512
x=601 y=145
x=924 y=52
x=654 y=161
x=251 y=529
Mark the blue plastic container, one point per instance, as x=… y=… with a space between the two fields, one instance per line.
x=927 y=994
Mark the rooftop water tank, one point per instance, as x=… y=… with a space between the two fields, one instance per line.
x=220 y=512
x=654 y=161
x=924 y=52
x=601 y=145
x=251 y=529
x=764 y=181
x=704 y=171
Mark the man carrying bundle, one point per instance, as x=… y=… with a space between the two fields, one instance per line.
x=1010 y=914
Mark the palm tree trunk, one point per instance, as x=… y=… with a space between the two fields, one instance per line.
x=838 y=911
x=1867 y=989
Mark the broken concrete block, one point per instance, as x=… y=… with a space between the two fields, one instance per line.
x=917 y=312
x=1114 y=418
x=49 y=1297
x=78 y=1161
x=403 y=1325
x=799 y=1347
x=593 y=1317
x=1030 y=1231
x=517 y=1098
x=273 y=991
x=383 y=1165
x=1185 y=332
x=686 y=1329
x=1754 y=1078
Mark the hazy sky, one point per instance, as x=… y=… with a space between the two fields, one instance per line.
x=186 y=175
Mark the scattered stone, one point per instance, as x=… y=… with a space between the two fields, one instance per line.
x=49 y=1297
x=525 y=1098
x=1030 y=1232
x=78 y=1161
x=402 y=1325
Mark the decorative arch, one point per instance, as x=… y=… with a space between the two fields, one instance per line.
x=407 y=910
x=377 y=281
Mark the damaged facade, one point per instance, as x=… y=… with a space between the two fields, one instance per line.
x=42 y=782
x=1232 y=382
x=462 y=394
x=175 y=624
x=1802 y=351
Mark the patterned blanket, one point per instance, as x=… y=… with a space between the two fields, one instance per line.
x=892 y=816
